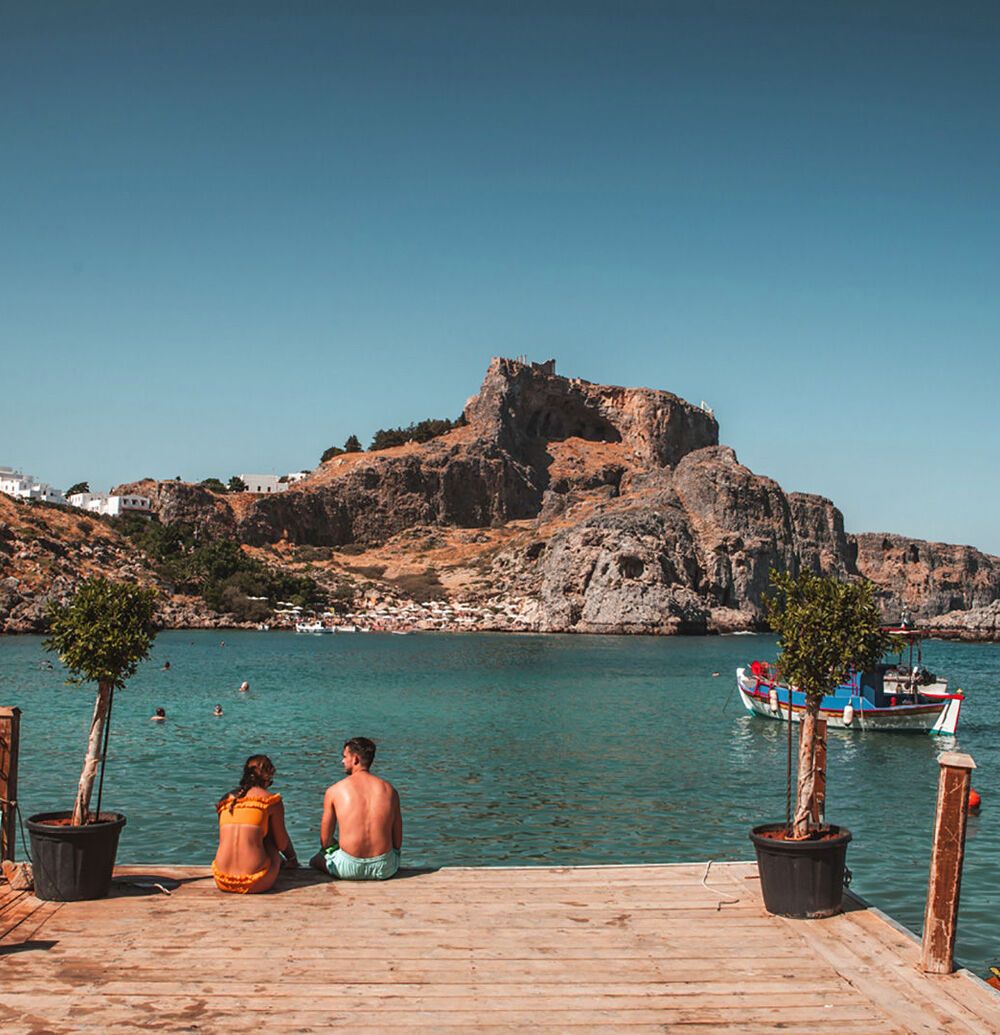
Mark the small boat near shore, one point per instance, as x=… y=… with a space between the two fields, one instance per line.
x=895 y=697
x=313 y=627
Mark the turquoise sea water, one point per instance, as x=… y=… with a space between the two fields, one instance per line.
x=511 y=749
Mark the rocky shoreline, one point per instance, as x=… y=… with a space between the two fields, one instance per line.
x=556 y=505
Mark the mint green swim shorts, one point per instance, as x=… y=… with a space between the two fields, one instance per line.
x=346 y=867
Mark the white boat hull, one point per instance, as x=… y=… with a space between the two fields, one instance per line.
x=939 y=717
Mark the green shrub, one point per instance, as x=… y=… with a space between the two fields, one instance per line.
x=422 y=431
x=217 y=570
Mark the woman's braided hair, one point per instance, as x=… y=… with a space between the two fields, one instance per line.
x=257 y=772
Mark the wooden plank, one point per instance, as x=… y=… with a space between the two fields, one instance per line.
x=10 y=726
x=887 y=978
x=450 y=951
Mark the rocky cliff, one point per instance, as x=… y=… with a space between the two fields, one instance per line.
x=927 y=579
x=45 y=551
x=595 y=508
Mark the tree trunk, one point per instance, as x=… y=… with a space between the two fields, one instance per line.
x=807 y=768
x=81 y=810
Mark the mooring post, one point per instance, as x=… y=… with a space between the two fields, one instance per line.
x=941 y=915
x=819 y=798
x=10 y=732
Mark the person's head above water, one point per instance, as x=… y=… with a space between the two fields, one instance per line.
x=160 y=713
x=244 y=687
x=359 y=753
x=218 y=710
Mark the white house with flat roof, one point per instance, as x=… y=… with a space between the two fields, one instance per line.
x=263 y=482
x=272 y=482
x=27 y=487
x=112 y=506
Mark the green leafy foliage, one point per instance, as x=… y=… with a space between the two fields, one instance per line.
x=353 y=444
x=103 y=633
x=217 y=570
x=825 y=628
x=213 y=485
x=329 y=454
x=237 y=484
x=78 y=487
x=422 y=431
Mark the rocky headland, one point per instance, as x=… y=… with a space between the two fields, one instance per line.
x=556 y=506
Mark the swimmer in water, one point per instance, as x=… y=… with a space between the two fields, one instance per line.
x=160 y=716
x=244 y=687
x=166 y=666
x=218 y=710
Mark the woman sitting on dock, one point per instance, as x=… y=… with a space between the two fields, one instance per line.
x=252 y=833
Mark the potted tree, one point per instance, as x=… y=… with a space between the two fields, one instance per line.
x=826 y=629
x=101 y=635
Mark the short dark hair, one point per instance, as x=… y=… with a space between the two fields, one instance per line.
x=363 y=748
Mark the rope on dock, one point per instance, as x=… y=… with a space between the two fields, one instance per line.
x=722 y=901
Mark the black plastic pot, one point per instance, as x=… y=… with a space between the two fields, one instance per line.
x=73 y=863
x=801 y=879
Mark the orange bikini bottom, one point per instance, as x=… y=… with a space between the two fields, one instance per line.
x=239 y=883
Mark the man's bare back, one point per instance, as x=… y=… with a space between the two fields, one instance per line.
x=366 y=808
x=361 y=813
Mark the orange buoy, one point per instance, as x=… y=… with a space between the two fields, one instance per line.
x=975 y=800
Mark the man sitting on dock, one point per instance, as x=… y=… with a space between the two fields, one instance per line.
x=366 y=809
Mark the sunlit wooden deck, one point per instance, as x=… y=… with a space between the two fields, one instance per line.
x=678 y=948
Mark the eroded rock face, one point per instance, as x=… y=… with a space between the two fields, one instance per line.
x=821 y=545
x=742 y=523
x=520 y=404
x=630 y=569
x=688 y=550
x=180 y=503
x=926 y=579
x=980 y=623
x=468 y=486
x=498 y=471
x=611 y=510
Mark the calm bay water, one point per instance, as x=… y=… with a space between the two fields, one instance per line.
x=510 y=749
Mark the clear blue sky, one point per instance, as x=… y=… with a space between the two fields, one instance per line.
x=232 y=234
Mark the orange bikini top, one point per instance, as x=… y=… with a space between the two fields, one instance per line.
x=247 y=811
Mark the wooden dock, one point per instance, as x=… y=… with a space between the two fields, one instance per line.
x=676 y=948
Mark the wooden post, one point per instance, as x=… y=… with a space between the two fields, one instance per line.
x=10 y=733
x=819 y=797
x=945 y=881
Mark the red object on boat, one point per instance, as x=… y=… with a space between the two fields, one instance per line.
x=975 y=800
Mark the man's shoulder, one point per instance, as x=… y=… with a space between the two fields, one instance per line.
x=380 y=783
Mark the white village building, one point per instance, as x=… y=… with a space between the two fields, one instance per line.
x=27 y=487
x=112 y=506
x=272 y=482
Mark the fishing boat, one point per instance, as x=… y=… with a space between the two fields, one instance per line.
x=895 y=696
x=313 y=627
